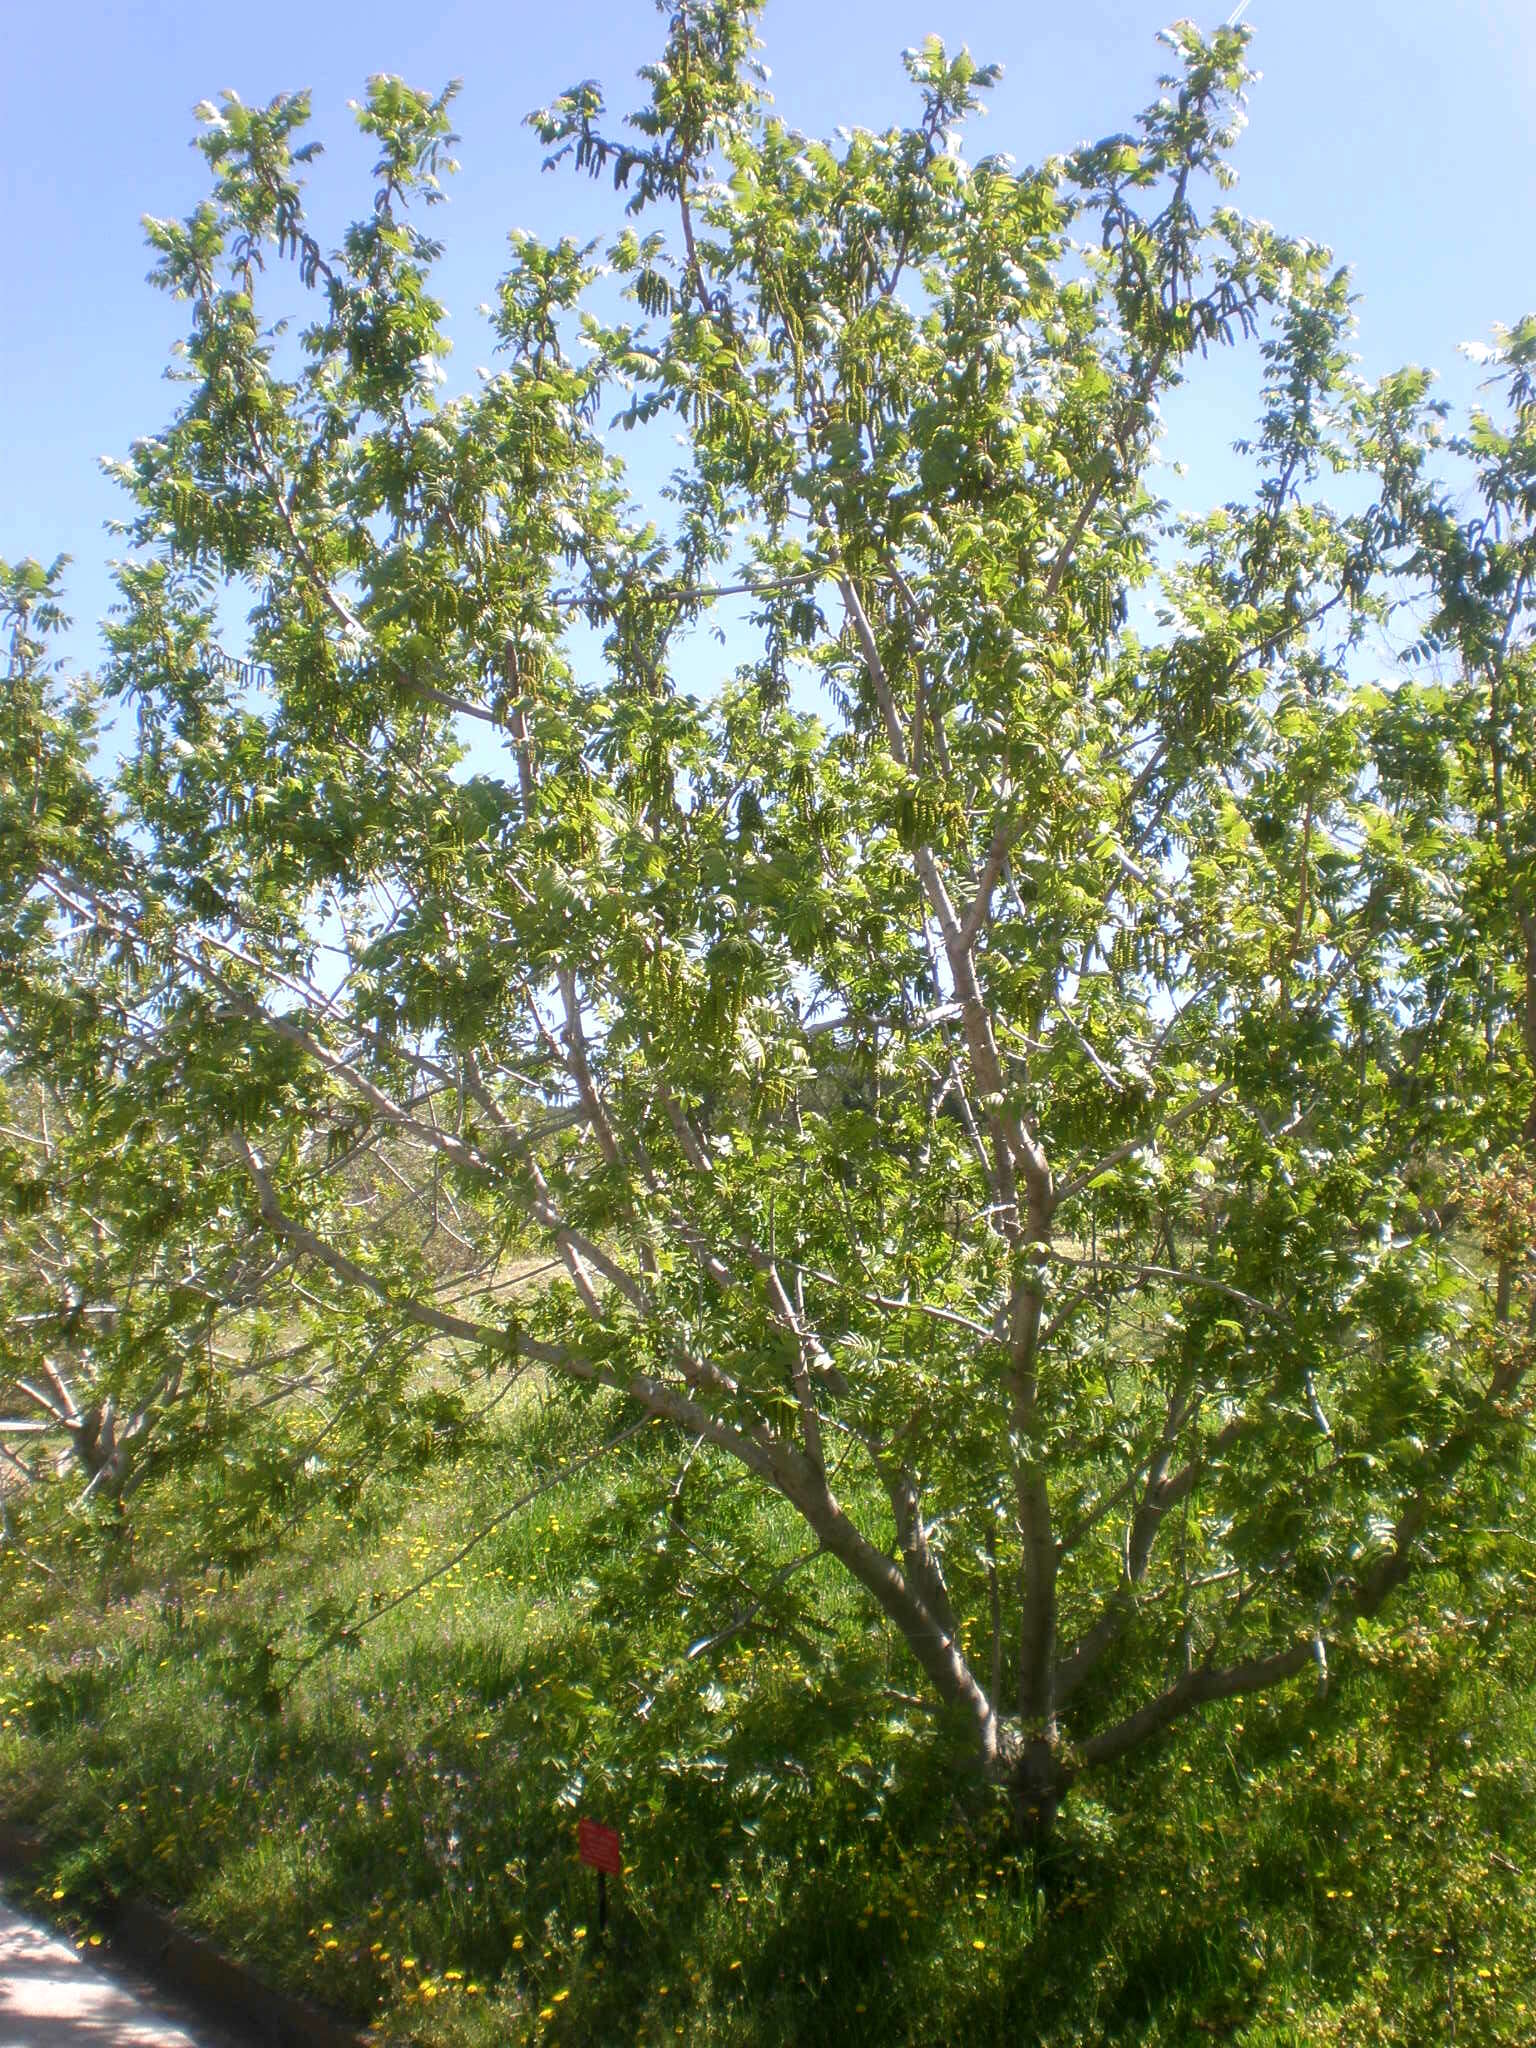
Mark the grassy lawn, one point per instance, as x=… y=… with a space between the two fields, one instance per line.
x=388 y=1822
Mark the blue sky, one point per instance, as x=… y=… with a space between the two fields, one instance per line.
x=1401 y=134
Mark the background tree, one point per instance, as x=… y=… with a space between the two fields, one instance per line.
x=145 y=1319
x=963 y=1061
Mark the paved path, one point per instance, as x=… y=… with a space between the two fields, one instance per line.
x=51 y=1997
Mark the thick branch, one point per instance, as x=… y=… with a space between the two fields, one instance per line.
x=1395 y=1564
x=1196 y=1688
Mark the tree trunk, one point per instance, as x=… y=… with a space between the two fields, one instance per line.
x=1038 y=1782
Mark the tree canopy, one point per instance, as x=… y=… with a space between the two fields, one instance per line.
x=1009 y=1010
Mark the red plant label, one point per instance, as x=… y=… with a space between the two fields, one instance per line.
x=598 y=1846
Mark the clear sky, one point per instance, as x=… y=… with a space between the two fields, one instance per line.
x=1398 y=131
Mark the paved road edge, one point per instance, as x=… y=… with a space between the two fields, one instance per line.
x=191 y=1967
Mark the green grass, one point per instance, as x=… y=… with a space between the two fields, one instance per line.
x=389 y=1825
